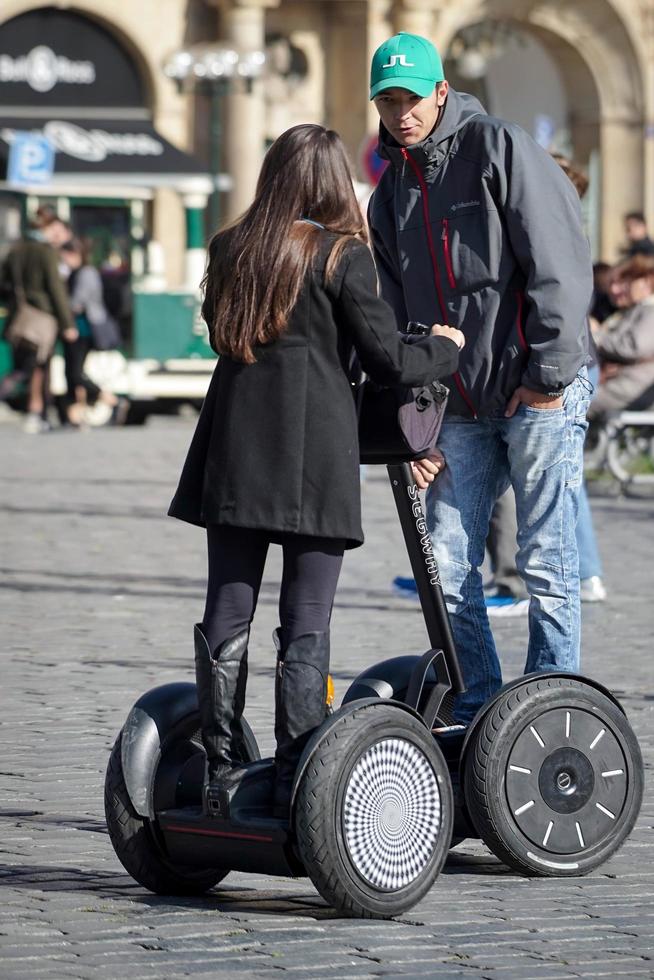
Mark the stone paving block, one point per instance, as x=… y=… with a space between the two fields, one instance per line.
x=546 y=973
x=40 y=971
x=525 y=971
x=629 y=971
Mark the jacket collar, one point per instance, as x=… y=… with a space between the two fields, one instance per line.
x=430 y=152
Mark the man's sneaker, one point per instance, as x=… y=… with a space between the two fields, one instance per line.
x=405 y=587
x=592 y=589
x=500 y=605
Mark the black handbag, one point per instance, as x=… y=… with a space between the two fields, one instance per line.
x=399 y=424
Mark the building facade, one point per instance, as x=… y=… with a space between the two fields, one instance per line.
x=579 y=74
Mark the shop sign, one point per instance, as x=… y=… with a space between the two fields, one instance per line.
x=92 y=145
x=31 y=160
x=52 y=58
x=42 y=69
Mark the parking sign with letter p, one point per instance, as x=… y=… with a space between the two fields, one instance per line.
x=31 y=160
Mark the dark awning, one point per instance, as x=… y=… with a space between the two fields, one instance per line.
x=105 y=147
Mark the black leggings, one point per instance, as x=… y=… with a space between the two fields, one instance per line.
x=236 y=561
x=74 y=356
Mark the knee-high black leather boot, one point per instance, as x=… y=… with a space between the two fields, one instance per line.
x=221 y=678
x=300 y=706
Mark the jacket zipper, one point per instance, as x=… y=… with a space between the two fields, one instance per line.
x=425 y=210
x=432 y=251
x=518 y=323
x=446 y=250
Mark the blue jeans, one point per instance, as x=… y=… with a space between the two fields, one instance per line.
x=539 y=452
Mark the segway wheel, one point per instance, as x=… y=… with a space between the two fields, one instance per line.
x=553 y=777
x=373 y=812
x=135 y=840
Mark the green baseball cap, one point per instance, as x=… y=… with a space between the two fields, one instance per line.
x=406 y=61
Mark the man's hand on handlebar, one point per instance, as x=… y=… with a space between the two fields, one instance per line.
x=427 y=469
x=438 y=330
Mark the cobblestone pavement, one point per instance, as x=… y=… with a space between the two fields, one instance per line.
x=98 y=595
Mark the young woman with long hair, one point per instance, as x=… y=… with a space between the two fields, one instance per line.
x=290 y=290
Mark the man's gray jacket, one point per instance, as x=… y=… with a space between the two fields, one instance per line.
x=478 y=227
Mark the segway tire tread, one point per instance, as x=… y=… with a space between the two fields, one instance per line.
x=484 y=796
x=134 y=842
x=317 y=817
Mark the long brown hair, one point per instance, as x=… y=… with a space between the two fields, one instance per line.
x=257 y=265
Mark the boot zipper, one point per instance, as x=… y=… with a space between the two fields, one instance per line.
x=424 y=195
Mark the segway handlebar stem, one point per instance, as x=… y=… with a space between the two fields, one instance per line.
x=425 y=568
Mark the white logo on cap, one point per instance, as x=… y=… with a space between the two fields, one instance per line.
x=399 y=59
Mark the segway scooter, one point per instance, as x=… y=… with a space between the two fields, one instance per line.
x=549 y=775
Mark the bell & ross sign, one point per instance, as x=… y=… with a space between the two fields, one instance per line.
x=52 y=59
x=42 y=69
x=68 y=83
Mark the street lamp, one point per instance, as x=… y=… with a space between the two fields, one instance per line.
x=212 y=68
x=476 y=45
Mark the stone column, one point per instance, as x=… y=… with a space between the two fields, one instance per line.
x=347 y=74
x=243 y=23
x=621 y=147
x=380 y=27
x=416 y=16
x=194 y=255
x=647 y=16
x=649 y=172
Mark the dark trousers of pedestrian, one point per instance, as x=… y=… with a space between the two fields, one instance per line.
x=75 y=353
x=25 y=363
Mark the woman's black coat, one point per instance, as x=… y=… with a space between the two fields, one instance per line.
x=276 y=444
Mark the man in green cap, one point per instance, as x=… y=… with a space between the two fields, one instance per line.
x=475 y=226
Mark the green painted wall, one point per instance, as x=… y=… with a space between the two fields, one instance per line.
x=166 y=326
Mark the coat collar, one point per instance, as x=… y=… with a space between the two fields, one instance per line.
x=430 y=152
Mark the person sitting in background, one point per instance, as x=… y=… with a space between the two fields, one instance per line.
x=625 y=343
x=639 y=242
x=85 y=287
